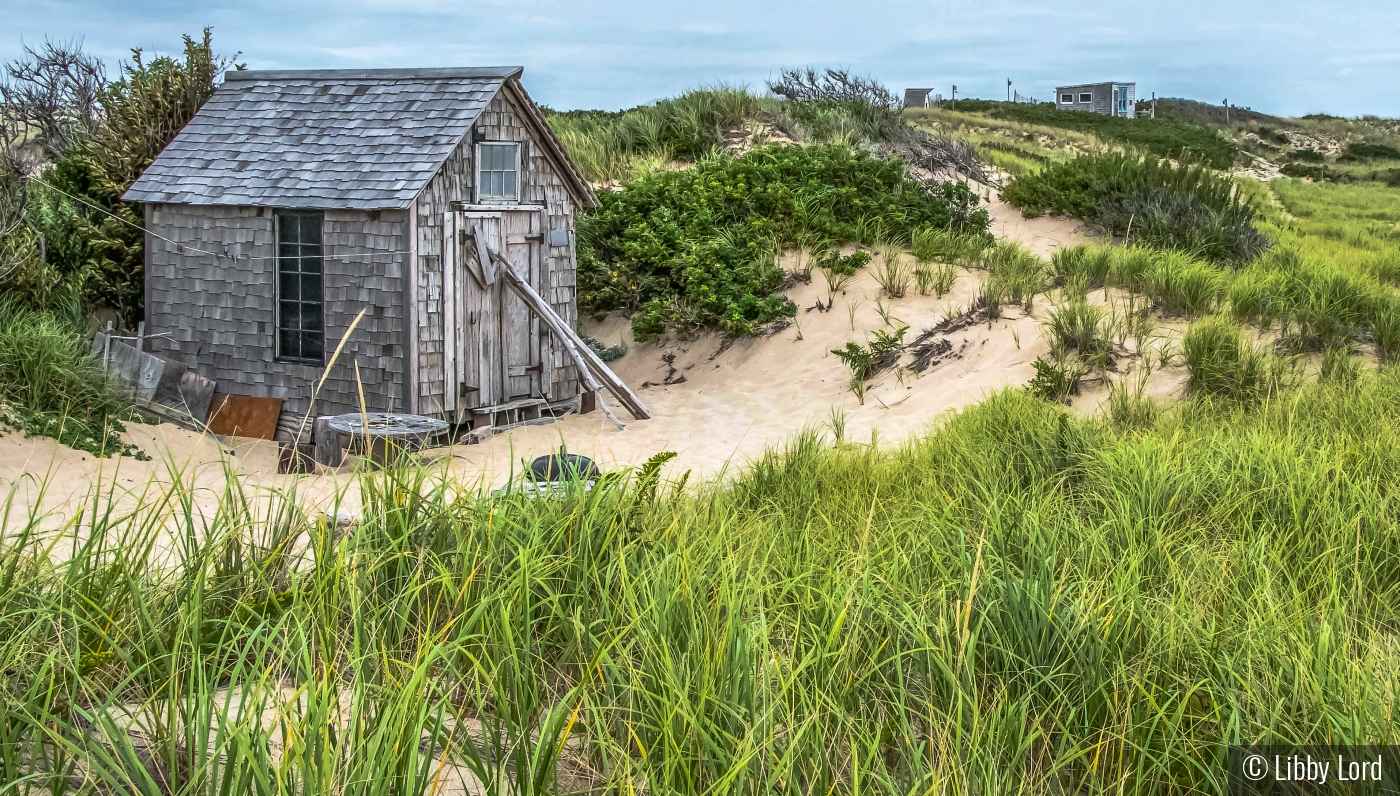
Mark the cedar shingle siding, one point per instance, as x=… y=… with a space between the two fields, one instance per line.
x=220 y=316
x=384 y=154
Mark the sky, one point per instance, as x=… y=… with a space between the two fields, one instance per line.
x=1286 y=57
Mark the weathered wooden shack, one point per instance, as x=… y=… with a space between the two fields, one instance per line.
x=294 y=201
x=1108 y=99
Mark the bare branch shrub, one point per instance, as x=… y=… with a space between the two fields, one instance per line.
x=832 y=85
x=55 y=91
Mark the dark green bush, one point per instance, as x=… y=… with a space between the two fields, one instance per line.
x=1364 y=151
x=1183 y=207
x=1303 y=170
x=1167 y=138
x=98 y=254
x=1307 y=156
x=1322 y=172
x=696 y=247
x=845 y=264
x=1056 y=380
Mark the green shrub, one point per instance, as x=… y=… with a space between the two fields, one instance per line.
x=1182 y=285
x=606 y=353
x=1301 y=170
x=1358 y=150
x=831 y=259
x=868 y=360
x=1166 y=138
x=1324 y=173
x=1015 y=274
x=615 y=146
x=142 y=111
x=1076 y=325
x=1056 y=380
x=1184 y=207
x=1220 y=362
x=698 y=245
x=1307 y=156
x=52 y=386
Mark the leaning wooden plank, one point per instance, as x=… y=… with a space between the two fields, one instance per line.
x=578 y=350
x=563 y=332
x=483 y=257
x=589 y=380
x=589 y=363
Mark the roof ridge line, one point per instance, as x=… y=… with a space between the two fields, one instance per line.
x=477 y=72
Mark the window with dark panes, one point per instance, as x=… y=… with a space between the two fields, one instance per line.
x=300 y=320
x=496 y=171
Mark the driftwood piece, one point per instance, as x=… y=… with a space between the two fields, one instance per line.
x=590 y=366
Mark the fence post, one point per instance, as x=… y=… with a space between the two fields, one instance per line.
x=107 y=346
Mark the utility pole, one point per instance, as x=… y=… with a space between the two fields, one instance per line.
x=1008 y=89
x=1154 y=104
x=955 y=97
x=1226 y=103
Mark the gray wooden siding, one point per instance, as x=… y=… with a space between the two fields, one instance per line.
x=540 y=185
x=1104 y=98
x=219 y=315
x=451 y=184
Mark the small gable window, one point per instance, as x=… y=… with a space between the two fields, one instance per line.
x=1086 y=97
x=300 y=328
x=1067 y=99
x=497 y=168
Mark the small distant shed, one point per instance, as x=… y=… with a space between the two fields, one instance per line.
x=921 y=98
x=296 y=200
x=1108 y=99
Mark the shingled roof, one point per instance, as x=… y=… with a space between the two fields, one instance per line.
x=352 y=139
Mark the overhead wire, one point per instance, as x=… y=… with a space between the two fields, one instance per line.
x=182 y=248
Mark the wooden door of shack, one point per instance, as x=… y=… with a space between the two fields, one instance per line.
x=499 y=352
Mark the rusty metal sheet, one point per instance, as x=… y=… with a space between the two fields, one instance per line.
x=244 y=416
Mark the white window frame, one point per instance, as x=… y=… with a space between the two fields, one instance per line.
x=482 y=198
x=1067 y=99
x=1086 y=96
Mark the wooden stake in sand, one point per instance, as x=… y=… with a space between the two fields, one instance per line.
x=591 y=368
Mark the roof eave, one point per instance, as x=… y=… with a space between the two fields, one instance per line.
x=577 y=186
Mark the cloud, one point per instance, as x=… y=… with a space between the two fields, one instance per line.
x=1277 y=55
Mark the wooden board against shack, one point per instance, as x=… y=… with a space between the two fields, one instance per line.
x=589 y=365
x=244 y=416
